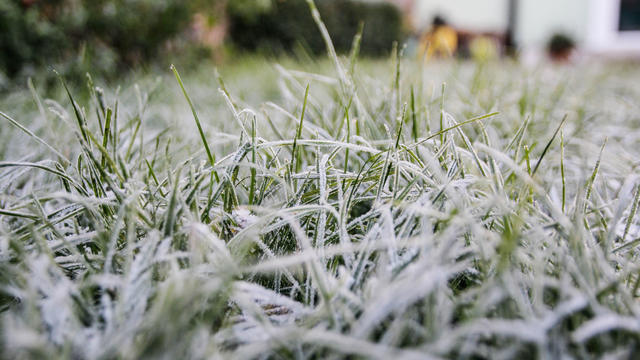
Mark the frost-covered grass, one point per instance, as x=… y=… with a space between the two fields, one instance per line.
x=326 y=210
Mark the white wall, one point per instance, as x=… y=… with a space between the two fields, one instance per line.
x=475 y=15
x=603 y=36
x=592 y=23
x=538 y=20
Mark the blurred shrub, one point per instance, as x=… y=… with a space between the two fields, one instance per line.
x=560 y=43
x=28 y=34
x=560 y=47
x=100 y=35
x=249 y=9
x=136 y=29
x=286 y=23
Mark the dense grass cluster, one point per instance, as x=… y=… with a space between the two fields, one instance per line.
x=324 y=210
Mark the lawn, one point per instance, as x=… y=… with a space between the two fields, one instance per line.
x=327 y=208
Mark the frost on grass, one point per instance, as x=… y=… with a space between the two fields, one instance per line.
x=373 y=218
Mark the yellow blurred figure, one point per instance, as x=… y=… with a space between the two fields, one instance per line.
x=483 y=49
x=441 y=41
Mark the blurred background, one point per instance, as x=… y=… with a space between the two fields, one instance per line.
x=109 y=38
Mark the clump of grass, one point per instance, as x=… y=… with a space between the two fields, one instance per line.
x=357 y=213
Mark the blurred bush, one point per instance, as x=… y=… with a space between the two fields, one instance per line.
x=104 y=37
x=284 y=24
x=560 y=47
x=136 y=29
x=28 y=33
x=100 y=35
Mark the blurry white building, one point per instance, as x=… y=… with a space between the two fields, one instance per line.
x=610 y=27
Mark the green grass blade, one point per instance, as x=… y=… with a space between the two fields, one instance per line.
x=546 y=148
x=210 y=155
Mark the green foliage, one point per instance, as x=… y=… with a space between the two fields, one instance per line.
x=29 y=33
x=560 y=42
x=249 y=9
x=287 y=23
x=136 y=29
x=101 y=34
